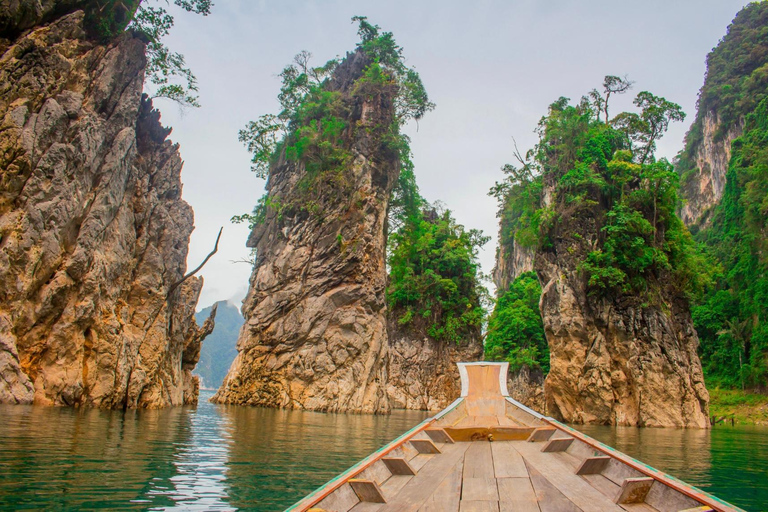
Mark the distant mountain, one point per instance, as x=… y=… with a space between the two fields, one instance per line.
x=219 y=348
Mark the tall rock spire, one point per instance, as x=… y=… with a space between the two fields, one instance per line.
x=93 y=231
x=315 y=333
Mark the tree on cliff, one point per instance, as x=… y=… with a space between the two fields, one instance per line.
x=310 y=126
x=606 y=173
x=166 y=71
x=434 y=282
x=515 y=332
x=732 y=317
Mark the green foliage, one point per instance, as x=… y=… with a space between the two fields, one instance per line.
x=166 y=70
x=515 y=330
x=434 y=285
x=736 y=80
x=109 y=18
x=311 y=127
x=732 y=319
x=606 y=172
x=744 y=407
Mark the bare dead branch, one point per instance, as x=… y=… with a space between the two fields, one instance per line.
x=190 y=274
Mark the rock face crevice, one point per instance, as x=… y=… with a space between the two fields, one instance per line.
x=315 y=332
x=93 y=230
x=704 y=187
x=615 y=360
x=422 y=371
x=510 y=263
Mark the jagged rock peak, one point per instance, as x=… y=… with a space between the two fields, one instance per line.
x=315 y=334
x=93 y=231
x=733 y=86
x=615 y=360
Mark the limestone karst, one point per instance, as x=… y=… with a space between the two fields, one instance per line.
x=614 y=263
x=315 y=333
x=93 y=230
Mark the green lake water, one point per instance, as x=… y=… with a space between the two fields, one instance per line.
x=239 y=458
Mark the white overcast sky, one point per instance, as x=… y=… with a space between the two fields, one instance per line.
x=491 y=66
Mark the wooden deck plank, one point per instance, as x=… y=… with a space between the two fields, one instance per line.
x=602 y=484
x=562 y=476
x=424 y=446
x=405 y=451
x=394 y=485
x=377 y=472
x=569 y=460
x=479 y=489
x=423 y=485
x=439 y=435
x=367 y=490
x=506 y=421
x=447 y=494
x=617 y=472
x=420 y=460
x=593 y=465
x=343 y=498
x=634 y=490
x=478 y=461
x=541 y=434
x=666 y=498
x=365 y=507
x=517 y=495
x=644 y=507
x=557 y=444
x=547 y=495
x=507 y=462
x=479 y=506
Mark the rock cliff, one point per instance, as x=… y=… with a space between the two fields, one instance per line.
x=510 y=263
x=526 y=385
x=315 y=333
x=617 y=360
x=93 y=230
x=703 y=187
x=422 y=371
x=734 y=85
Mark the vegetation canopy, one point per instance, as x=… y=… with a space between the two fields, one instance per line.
x=731 y=317
x=312 y=120
x=515 y=331
x=611 y=205
x=606 y=171
x=435 y=288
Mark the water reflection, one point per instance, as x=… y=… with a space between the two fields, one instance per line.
x=276 y=457
x=240 y=458
x=729 y=462
x=65 y=459
x=208 y=458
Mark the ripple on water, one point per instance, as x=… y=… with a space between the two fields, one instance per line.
x=206 y=458
x=729 y=462
x=240 y=458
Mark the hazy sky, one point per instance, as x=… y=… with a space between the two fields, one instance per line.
x=492 y=68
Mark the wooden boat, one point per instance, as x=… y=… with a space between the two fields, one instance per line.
x=487 y=452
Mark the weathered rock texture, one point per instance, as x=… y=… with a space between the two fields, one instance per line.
x=93 y=230
x=703 y=188
x=315 y=333
x=615 y=360
x=19 y=15
x=527 y=387
x=510 y=263
x=423 y=372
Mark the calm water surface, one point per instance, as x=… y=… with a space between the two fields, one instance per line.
x=239 y=458
x=729 y=462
